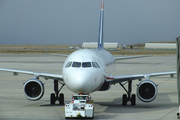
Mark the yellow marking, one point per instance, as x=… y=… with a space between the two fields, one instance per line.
x=79 y=115
x=133 y=60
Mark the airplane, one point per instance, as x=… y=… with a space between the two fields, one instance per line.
x=86 y=71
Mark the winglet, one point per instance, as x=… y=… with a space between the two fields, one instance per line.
x=100 y=38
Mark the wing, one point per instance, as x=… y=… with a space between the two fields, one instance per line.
x=122 y=78
x=37 y=74
x=130 y=57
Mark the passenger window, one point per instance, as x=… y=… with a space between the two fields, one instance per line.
x=86 y=64
x=94 y=65
x=76 y=64
x=97 y=64
x=68 y=64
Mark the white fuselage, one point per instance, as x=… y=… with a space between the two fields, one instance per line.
x=83 y=70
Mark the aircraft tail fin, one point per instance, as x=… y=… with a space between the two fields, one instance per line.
x=100 y=38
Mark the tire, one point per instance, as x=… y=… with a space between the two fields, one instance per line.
x=52 y=100
x=133 y=99
x=124 y=99
x=61 y=99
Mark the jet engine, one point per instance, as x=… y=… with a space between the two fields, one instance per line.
x=147 y=91
x=106 y=86
x=33 y=89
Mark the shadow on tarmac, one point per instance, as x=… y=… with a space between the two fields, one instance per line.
x=160 y=103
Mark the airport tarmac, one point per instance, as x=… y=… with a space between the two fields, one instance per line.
x=108 y=104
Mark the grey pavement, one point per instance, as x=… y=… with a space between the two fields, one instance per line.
x=14 y=105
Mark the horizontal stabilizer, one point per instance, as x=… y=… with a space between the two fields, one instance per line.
x=62 y=55
x=131 y=57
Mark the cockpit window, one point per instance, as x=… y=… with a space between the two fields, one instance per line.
x=86 y=64
x=97 y=64
x=76 y=64
x=94 y=65
x=68 y=64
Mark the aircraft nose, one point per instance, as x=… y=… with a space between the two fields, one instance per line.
x=80 y=81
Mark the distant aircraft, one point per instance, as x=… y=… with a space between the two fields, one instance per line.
x=124 y=46
x=71 y=47
x=85 y=71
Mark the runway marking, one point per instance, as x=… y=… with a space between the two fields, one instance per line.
x=133 y=60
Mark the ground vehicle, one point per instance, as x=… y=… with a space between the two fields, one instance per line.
x=80 y=106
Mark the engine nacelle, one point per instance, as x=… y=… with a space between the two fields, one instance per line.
x=147 y=91
x=106 y=86
x=33 y=89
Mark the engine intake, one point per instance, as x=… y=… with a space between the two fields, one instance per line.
x=147 y=91
x=106 y=86
x=33 y=89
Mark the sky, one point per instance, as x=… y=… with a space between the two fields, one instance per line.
x=76 y=21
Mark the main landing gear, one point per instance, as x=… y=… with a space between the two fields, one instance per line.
x=56 y=96
x=128 y=97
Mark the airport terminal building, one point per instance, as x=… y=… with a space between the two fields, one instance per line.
x=160 y=46
x=93 y=45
